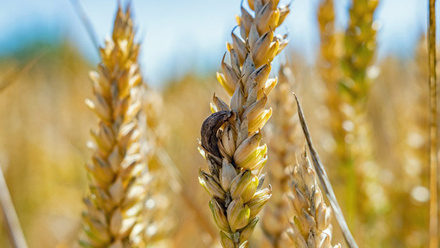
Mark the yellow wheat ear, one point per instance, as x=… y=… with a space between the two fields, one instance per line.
x=117 y=182
x=231 y=137
x=324 y=180
x=311 y=225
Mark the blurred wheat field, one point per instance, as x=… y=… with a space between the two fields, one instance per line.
x=45 y=139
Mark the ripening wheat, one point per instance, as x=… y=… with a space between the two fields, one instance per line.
x=115 y=200
x=230 y=137
x=311 y=225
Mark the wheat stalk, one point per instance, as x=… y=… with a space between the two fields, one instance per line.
x=433 y=132
x=230 y=138
x=311 y=226
x=10 y=217
x=330 y=73
x=284 y=142
x=117 y=173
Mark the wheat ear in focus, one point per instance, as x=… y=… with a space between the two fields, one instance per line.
x=231 y=137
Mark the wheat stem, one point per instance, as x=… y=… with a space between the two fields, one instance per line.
x=10 y=216
x=433 y=131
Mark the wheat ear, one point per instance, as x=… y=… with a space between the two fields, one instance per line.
x=230 y=137
x=355 y=147
x=360 y=46
x=324 y=180
x=311 y=225
x=285 y=142
x=331 y=74
x=117 y=173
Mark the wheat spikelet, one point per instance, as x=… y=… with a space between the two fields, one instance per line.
x=360 y=46
x=9 y=215
x=285 y=141
x=311 y=225
x=230 y=138
x=116 y=175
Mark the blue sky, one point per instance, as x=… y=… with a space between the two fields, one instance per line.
x=190 y=34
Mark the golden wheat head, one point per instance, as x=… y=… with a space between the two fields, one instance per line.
x=117 y=172
x=230 y=137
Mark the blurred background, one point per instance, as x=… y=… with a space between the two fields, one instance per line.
x=190 y=35
x=45 y=57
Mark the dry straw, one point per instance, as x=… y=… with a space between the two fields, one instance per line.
x=230 y=137
x=115 y=200
x=311 y=225
x=12 y=224
x=285 y=141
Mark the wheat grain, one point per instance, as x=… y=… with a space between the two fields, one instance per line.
x=311 y=225
x=230 y=138
x=330 y=72
x=117 y=173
